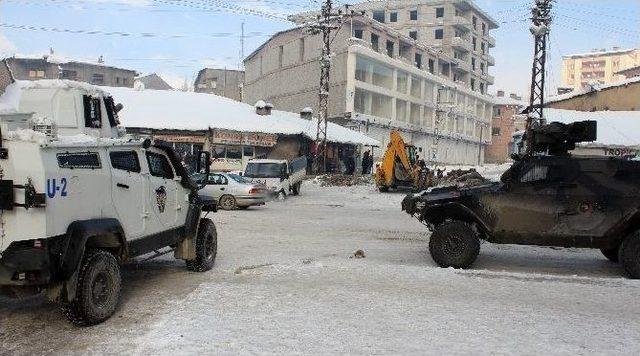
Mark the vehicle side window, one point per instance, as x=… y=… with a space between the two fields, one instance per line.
x=159 y=165
x=535 y=173
x=125 y=160
x=92 y=112
x=217 y=179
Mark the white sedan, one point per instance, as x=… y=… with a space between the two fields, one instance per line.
x=232 y=191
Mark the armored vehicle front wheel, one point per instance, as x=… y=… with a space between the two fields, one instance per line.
x=454 y=244
x=206 y=247
x=630 y=255
x=97 y=291
x=611 y=254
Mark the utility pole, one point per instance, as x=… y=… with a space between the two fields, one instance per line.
x=325 y=24
x=241 y=45
x=541 y=19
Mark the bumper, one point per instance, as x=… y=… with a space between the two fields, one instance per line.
x=23 y=265
x=243 y=200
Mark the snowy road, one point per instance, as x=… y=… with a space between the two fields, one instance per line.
x=284 y=283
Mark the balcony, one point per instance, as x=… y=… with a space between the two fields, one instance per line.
x=489 y=58
x=463 y=66
x=489 y=78
x=491 y=41
x=461 y=23
x=461 y=44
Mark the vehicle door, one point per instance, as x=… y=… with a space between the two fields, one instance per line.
x=528 y=206
x=217 y=185
x=162 y=197
x=129 y=191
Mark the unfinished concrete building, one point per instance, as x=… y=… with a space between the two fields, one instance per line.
x=221 y=82
x=381 y=79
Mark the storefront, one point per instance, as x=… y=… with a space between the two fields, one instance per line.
x=231 y=150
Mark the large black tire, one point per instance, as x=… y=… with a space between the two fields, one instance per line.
x=612 y=254
x=98 y=290
x=630 y=255
x=296 y=188
x=206 y=247
x=228 y=202
x=454 y=244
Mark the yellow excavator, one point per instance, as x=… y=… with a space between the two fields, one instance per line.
x=400 y=167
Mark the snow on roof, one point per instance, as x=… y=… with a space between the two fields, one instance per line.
x=592 y=89
x=598 y=53
x=10 y=100
x=161 y=109
x=505 y=100
x=614 y=127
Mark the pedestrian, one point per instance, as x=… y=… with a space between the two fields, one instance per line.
x=365 y=162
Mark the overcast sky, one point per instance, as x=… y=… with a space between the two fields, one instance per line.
x=179 y=37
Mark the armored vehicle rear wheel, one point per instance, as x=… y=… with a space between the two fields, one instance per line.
x=611 y=254
x=630 y=255
x=206 y=247
x=454 y=244
x=98 y=289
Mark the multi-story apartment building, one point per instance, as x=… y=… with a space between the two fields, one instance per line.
x=53 y=67
x=506 y=121
x=381 y=79
x=457 y=27
x=581 y=70
x=221 y=82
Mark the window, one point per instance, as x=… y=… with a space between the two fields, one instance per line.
x=301 y=50
x=248 y=151
x=213 y=84
x=483 y=48
x=413 y=34
x=418 y=60
x=401 y=110
x=378 y=16
x=69 y=74
x=474 y=20
x=118 y=80
x=432 y=66
x=234 y=152
x=390 y=48
x=280 y=56
x=374 y=42
x=473 y=63
x=484 y=29
x=402 y=82
x=159 y=165
x=439 y=12
x=84 y=160
x=393 y=17
x=416 y=87
x=109 y=104
x=92 y=112
x=37 y=73
x=482 y=88
x=535 y=174
x=357 y=34
x=482 y=68
x=413 y=15
x=125 y=160
x=97 y=79
x=474 y=41
x=217 y=179
x=439 y=34
x=495 y=131
x=473 y=84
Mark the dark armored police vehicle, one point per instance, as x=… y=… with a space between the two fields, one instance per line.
x=548 y=198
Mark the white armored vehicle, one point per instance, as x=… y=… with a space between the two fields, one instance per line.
x=78 y=199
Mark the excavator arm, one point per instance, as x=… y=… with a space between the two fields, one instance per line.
x=396 y=153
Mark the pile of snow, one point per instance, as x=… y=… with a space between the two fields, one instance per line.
x=591 y=89
x=161 y=109
x=614 y=127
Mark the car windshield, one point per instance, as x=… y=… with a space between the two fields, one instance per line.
x=239 y=179
x=264 y=170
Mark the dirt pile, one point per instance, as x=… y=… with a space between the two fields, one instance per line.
x=341 y=180
x=469 y=177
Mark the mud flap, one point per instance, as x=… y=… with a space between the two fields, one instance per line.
x=186 y=250
x=64 y=292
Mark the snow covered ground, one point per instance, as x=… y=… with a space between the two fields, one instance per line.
x=284 y=283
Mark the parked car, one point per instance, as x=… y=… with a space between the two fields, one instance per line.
x=232 y=191
x=280 y=176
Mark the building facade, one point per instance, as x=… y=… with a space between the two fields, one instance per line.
x=50 y=67
x=381 y=80
x=153 y=82
x=602 y=67
x=222 y=82
x=505 y=122
x=630 y=72
x=619 y=96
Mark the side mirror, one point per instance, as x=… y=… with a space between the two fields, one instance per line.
x=203 y=165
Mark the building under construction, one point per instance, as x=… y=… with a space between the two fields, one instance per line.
x=383 y=79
